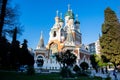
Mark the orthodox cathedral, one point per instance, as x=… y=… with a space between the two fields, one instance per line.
x=64 y=35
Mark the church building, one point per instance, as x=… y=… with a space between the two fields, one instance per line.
x=64 y=35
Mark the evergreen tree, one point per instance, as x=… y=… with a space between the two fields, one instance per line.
x=9 y=18
x=94 y=62
x=3 y=5
x=25 y=57
x=9 y=24
x=15 y=50
x=4 y=53
x=110 y=39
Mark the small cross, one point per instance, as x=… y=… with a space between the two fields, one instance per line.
x=76 y=16
x=68 y=7
x=61 y=15
x=57 y=13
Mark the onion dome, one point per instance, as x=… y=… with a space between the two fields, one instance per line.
x=69 y=13
x=77 y=21
x=71 y=17
x=61 y=20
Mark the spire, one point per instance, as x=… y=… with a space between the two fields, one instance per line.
x=57 y=13
x=41 y=37
x=60 y=15
x=68 y=7
x=77 y=17
x=41 y=42
x=61 y=20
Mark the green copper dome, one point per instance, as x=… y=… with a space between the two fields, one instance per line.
x=69 y=13
x=61 y=20
x=71 y=17
x=77 y=22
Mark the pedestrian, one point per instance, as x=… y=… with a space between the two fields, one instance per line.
x=106 y=70
x=115 y=74
x=102 y=69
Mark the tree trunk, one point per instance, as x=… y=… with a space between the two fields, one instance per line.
x=2 y=16
x=115 y=65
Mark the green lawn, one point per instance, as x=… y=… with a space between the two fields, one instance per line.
x=23 y=76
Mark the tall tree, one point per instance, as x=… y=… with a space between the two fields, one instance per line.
x=9 y=24
x=9 y=18
x=2 y=15
x=94 y=62
x=67 y=59
x=15 y=49
x=25 y=57
x=4 y=52
x=110 y=39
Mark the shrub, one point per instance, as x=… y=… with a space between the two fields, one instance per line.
x=97 y=78
x=76 y=69
x=108 y=78
x=84 y=65
x=30 y=70
x=65 y=72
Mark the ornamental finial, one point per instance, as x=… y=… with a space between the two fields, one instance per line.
x=61 y=15
x=68 y=7
x=57 y=13
x=41 y=34
x=76 y=16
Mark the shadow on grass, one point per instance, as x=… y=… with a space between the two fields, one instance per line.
x=24 y=76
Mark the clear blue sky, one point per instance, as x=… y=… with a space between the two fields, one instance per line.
x=38 y=15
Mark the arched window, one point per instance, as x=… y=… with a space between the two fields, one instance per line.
x=61 y=33
x=40 y=61
x=40 y=57
x=54 y=34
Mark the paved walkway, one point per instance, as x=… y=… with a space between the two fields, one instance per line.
x=110 y=72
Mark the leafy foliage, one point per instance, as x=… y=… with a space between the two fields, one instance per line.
x=65 y=72
x=9 y=19
x=30 y=70
x=110 y=39
x=3 y=5
x=11 y=55
x=76 y=68
x=93 y=61
x=98 y=61
x=67 y=58
x=26 y=58
x=84 y=65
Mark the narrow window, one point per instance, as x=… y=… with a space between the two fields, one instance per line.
x=54 y=34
